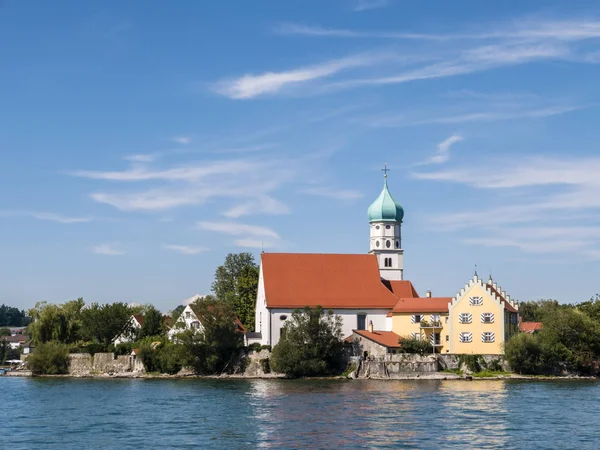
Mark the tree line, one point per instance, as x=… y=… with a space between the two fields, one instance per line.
x=568 y=343
x=12 y=317
x=73 y=326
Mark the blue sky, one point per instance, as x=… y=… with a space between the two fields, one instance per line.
x=141 y=142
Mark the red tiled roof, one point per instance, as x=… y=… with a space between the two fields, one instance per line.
x=139 y=318
x=499 y=296
x=386 y=338
x=530 y=327
x=21 y=338
x=422 y=305
x=239 y=325
x=402 y=289
x=296 y=280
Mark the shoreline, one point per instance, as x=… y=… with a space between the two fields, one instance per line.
x=407 y=377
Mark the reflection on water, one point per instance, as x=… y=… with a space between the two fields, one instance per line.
x=67 y=413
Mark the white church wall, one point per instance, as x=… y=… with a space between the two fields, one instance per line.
x=349 y=322
x=261 y=315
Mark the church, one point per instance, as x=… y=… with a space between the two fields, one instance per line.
x=376 y=304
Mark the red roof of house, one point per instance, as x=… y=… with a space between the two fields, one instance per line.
x=422 y=305
x=402 y=289
x=530 y=327
x=139 y=318
x=386 y=338
x=499 y=296
x=17 y=338
x=296 y=280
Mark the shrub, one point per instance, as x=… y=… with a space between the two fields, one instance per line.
x=311 y=344
x=50 y=358
x=254 y=347
x=214 y=348
x=415 y=346
x=526 y=355
x=124 y=348
x=265 y=347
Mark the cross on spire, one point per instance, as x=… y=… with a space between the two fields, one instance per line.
x=385 y=170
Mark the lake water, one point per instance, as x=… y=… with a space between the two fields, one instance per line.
x=247 y=414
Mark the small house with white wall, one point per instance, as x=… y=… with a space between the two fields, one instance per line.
x=191 y=320
x=131 y=330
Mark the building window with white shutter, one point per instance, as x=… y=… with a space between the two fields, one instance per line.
x=487 y=317
x=488 y=336
x=475 y=301
x=465 y=318
x=465 y=337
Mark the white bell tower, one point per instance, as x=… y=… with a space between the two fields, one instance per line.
x=385 y=221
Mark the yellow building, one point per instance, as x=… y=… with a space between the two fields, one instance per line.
x=481 y=318
x=477 y=321
x=423 y=318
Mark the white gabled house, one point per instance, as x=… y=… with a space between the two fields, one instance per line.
x=130 y=330
x=189 y=320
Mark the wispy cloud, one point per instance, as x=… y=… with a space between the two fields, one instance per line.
x=340 y=194
x=112 y=249
x=537 y=204
x=59 y=218
x=252 y=86
x=185 y=249
x=184 y=140
x=442 y=154
x=253 y=243
x=523 y=30
x=261 y=205
x=140 y=157
x=52 y=217
x=238 y=229
x=441 y=55
x=481 y=111
x=364 y=5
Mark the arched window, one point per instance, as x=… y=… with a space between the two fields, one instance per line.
x=397 y=244
x=377 y=243
x=388 y=244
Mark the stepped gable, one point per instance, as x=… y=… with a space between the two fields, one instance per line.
x=340 y=281
x=493 y=291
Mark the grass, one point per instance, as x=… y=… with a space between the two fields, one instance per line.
x=491 y=374
x=351 y=368
x=454 y=371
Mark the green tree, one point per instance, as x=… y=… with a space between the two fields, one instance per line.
x=4 y=331
x=411 y=345
x=236 y=281
x=60 y=323
x=311 y=344
x=13 y=317
x=591 y=308
x=101 y=323
x=214 y=347
x=50 y=358
x=153 y=323
x=176 y=313
x=526 y=354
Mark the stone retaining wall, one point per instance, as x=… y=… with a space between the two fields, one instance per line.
x=396 y=366
x=453 y=361
x=82 y=364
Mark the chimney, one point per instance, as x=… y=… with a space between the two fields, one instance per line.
x=428 y=294
x=370 y=326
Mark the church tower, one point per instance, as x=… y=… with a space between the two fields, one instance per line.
x=385 y=221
